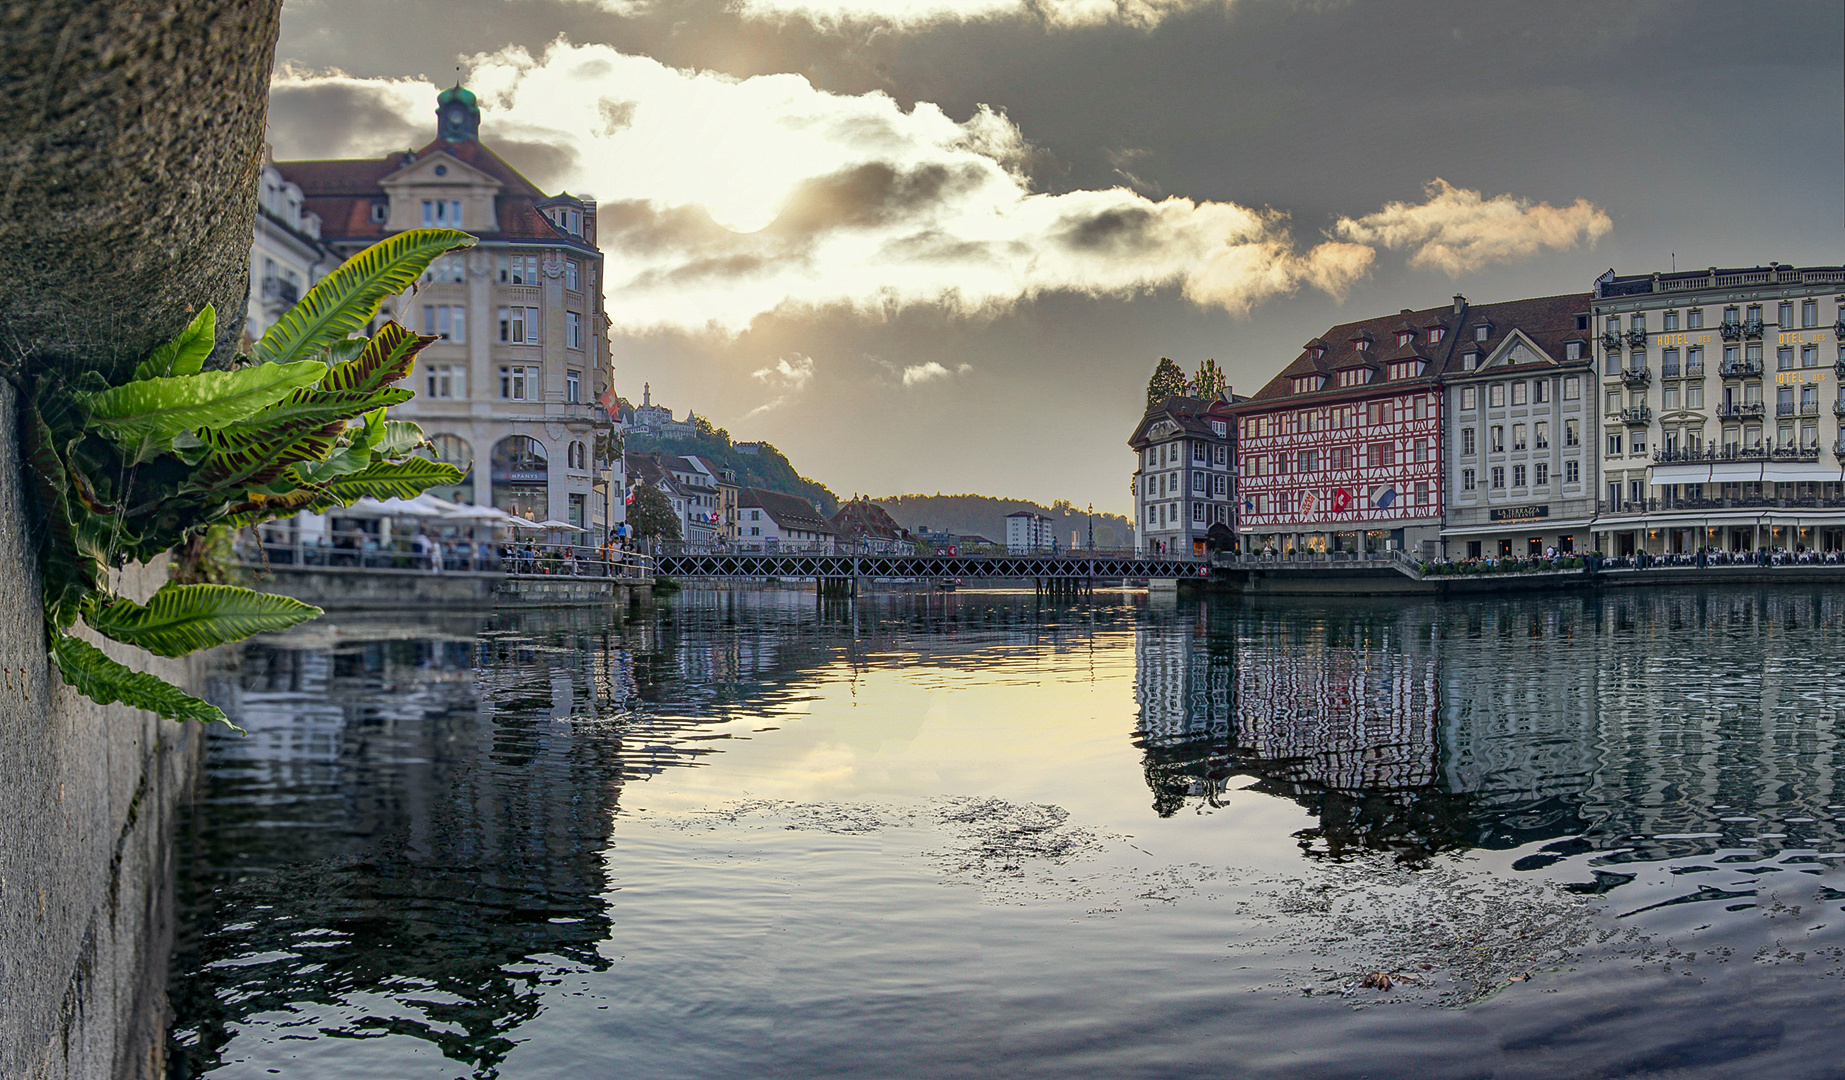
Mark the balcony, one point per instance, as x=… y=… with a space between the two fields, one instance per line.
x=1694 y=370
x=1740 y=369
x=1636 y=377
x=281 y=292
x=1748 y=410
x=1668 y=371
x=1753 y=329
x=1784 y=408
x=1637 y=416
x=1795 y=453
x=1611 y=339
x=1731 y=331
x=1838 y=329
x=1838 y=408
x=1809 y=408
x=1637 y=338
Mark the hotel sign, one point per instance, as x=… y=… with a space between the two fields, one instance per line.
x=1520 y=513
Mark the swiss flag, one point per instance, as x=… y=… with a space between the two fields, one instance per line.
x=1342 y=499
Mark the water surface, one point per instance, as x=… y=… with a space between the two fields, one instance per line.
x=976 y=835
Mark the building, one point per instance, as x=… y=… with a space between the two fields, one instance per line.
x=1028 y=531
x=1342 y=449
x=1721 y=401
x=657 y=420
x=772 y=521
x=511 y=390
x=1518 y=447
x=287 y=255
x=863 y=526
x=1185 y=479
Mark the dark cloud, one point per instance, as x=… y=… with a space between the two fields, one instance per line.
x=870 y=195
x=1118 y=232
x=616 y=115
x=340 y=120
x=642 y=227
x=543 y=163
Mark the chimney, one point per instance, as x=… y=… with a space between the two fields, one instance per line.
x=1407 y=311
x=1459 y=303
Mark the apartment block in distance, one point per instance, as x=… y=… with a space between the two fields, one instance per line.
x=1721 y=404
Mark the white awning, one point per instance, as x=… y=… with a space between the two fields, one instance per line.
x=1800 y=472
x=1722 y=472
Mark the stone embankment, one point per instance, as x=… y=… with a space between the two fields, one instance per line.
x=88 y=795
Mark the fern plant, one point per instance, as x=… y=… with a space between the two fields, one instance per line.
x=122 y=473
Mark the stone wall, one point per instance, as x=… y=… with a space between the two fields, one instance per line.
x=87 y=800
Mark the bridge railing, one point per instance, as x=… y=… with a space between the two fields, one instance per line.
x=357 y=550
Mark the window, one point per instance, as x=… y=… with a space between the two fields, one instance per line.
x=518 y=269
x=1198 y=451
x=1436 y=333
x=1694 y=395
x=1540 y=391
x=1614 y=401
x=1668 y=363
x=570 y=274
x=1422 y=494
x=1381 y=454
x=573 y=330
x=1639 y=444
x=1495 y=395
x=1518 y=436
x=519 y=325
x=1671 y=320
x=1694 y=319
x=1470 y=397
x=1614 y=445
x=442 y=213
x=1498 y=439
x=1809 y=314
x=1421 y=408
x=1572 y=350
x=1540 y=435
x=1572 y=388
x=1752 y=352
x=518 y=382
x=1541 y=473
x=446 y=321
x=1198 y=512
x=1199 y=485
x=1518 y=392
x=1784 y=358
x=1466 y=479
x=381 y=212
x=573 y=385
x=1518 y=476
x=1467 y=447
x=1422 y=449
x=574 y=456
x=1217 y=455
x=1572 y=472
x=1669 y=398
x=1480 y=332
x=1809 y=356
x=1499 y=476
x=1572 y=433
x=1785 y=314
x=446 y=380
x=1469 y=361
x=1636 y=491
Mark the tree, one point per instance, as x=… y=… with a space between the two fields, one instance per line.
x=1168 y=379
x=1209 y=382
x=133 y=133
x=651 y=514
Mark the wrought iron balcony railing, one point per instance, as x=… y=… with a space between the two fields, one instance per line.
x=1637 y=416
x=1636 y=376
x=1743 y=411
x=1740 y=369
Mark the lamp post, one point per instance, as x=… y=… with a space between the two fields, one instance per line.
x=1091 y=526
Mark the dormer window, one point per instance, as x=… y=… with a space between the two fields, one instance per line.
x=1435 y=335
x=1404 y=338
x=442 y=213
x=1481 y=331
x=1470 y=361
x=1317 y=352
x=1306 y=384
x=1363 y=344
x=380 y=212
x=1572 y=350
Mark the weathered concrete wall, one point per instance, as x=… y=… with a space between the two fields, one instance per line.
x=570 y=592
x=352 y=588
x=87 y=800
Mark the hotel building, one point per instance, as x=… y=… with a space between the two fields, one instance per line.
x=1721 y=408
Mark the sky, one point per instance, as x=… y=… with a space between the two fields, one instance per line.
x=939 y=245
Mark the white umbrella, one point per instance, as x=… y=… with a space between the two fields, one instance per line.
x=520 y=523
x=553 y=523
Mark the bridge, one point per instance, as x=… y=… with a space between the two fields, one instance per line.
x=1045 y=569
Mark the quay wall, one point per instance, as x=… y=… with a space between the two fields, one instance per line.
x=1387 y=581
x=355 y=588
x=88 y=795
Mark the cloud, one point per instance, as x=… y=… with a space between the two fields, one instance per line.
x=723 y=200
x=1456 y=230
x=926 y=372
x=788 y=376
x=921 y=14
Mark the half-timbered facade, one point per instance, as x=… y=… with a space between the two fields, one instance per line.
x=1342 y=449
x=1521 y=429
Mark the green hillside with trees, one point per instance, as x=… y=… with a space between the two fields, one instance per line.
x=986 y=515
x=768 y=468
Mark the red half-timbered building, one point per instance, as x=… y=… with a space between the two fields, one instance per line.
x=1342 y=450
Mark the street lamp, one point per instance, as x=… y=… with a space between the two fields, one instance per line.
x=1091 y=526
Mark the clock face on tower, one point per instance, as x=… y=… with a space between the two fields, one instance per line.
x=455 y=115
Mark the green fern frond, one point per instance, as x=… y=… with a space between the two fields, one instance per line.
x=104 y=681
x=181 y=619
x=341 y=303
x=149 y=413
x=386 y=358
x=185 y=354
x=389 y=479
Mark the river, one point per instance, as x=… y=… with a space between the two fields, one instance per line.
x=980 y=835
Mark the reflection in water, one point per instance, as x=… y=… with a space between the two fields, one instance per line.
x=419 y=838
x=1631 y=721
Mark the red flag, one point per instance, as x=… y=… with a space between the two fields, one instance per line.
x=1341 y=500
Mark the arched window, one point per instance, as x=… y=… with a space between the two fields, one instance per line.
x=578 y=456
x=522 y=477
